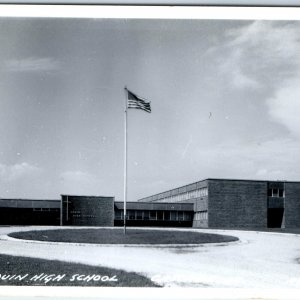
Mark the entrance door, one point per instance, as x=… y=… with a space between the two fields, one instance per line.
x=275 y=217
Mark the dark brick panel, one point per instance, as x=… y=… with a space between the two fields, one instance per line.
x=292 y=204
x=88 y=211
x=237 y=203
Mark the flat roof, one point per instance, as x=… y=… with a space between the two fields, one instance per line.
x=176 y=188
x=215 y=179
x=26 y=199
x=86 y=196
x=156 y=206
x=29 y=203
x=255 y=180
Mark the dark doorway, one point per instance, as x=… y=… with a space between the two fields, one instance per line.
x=275 y=217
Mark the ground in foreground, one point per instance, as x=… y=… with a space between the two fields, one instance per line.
x=40 y=272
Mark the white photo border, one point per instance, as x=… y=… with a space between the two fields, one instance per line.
x=147 y=12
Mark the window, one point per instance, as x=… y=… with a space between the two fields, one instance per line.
x=187 y=216
x=180 y=216
x=281 y=193
x=173 y=215
x=119 y=215
x=146 y=215
x=152 y=215
x=160 y=215
x=131 y=215
x=276 y=192
x=167 y=215
x=139 y=215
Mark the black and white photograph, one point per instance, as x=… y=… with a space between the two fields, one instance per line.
x=150 y=152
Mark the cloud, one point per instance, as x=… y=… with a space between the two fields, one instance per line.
x=284 y=107
x=265 y=55
x=260 y=54
x=32 y=64
x=9 y=173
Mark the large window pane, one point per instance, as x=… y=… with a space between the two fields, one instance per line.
x=281 y=193
x=180 y=216
x=146 y=215
x=131 y=214
x=119 y=214
x=187 y=216
x=167 y=215
x=275 y=193
x=153 y=215
x=160 y=215
x=173 y=215
x=139 y=215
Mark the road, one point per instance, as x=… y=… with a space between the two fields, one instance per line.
x=259 y=260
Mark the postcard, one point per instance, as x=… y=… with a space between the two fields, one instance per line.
x=150 y=152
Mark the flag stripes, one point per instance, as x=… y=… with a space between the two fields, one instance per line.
x=134 y=101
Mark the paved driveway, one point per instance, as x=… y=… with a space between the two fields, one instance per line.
x=258 y=260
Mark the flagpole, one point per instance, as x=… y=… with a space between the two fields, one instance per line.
x=125 y=160
x=283 y=216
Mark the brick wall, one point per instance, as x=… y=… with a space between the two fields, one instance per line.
x=237 y=203
x=88 y=211
x=292 y=204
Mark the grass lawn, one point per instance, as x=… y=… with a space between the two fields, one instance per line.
x=116 y=236
x=41 y=272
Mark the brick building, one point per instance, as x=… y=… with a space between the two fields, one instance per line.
x=210 y=203
x=233 y=203
x=29 y=212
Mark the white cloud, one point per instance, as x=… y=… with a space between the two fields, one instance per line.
x=284 y=107
x=261 y=54
x=268 y=52
x=241 y=80
x=32 y=64
x=9 y=173
x=271 y=41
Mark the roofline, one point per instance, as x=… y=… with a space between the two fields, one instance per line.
x=25 y=199
x=87 y=196
x=173 y=189
x=255 y=180
x=220 y=179
x=154 y=202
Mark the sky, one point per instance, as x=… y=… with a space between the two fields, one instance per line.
x=225 y=100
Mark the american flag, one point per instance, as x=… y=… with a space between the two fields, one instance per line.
x=134 y=101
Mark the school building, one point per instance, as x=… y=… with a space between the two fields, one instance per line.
x=210 y=203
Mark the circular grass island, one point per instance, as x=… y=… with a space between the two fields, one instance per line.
x=117 y=236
